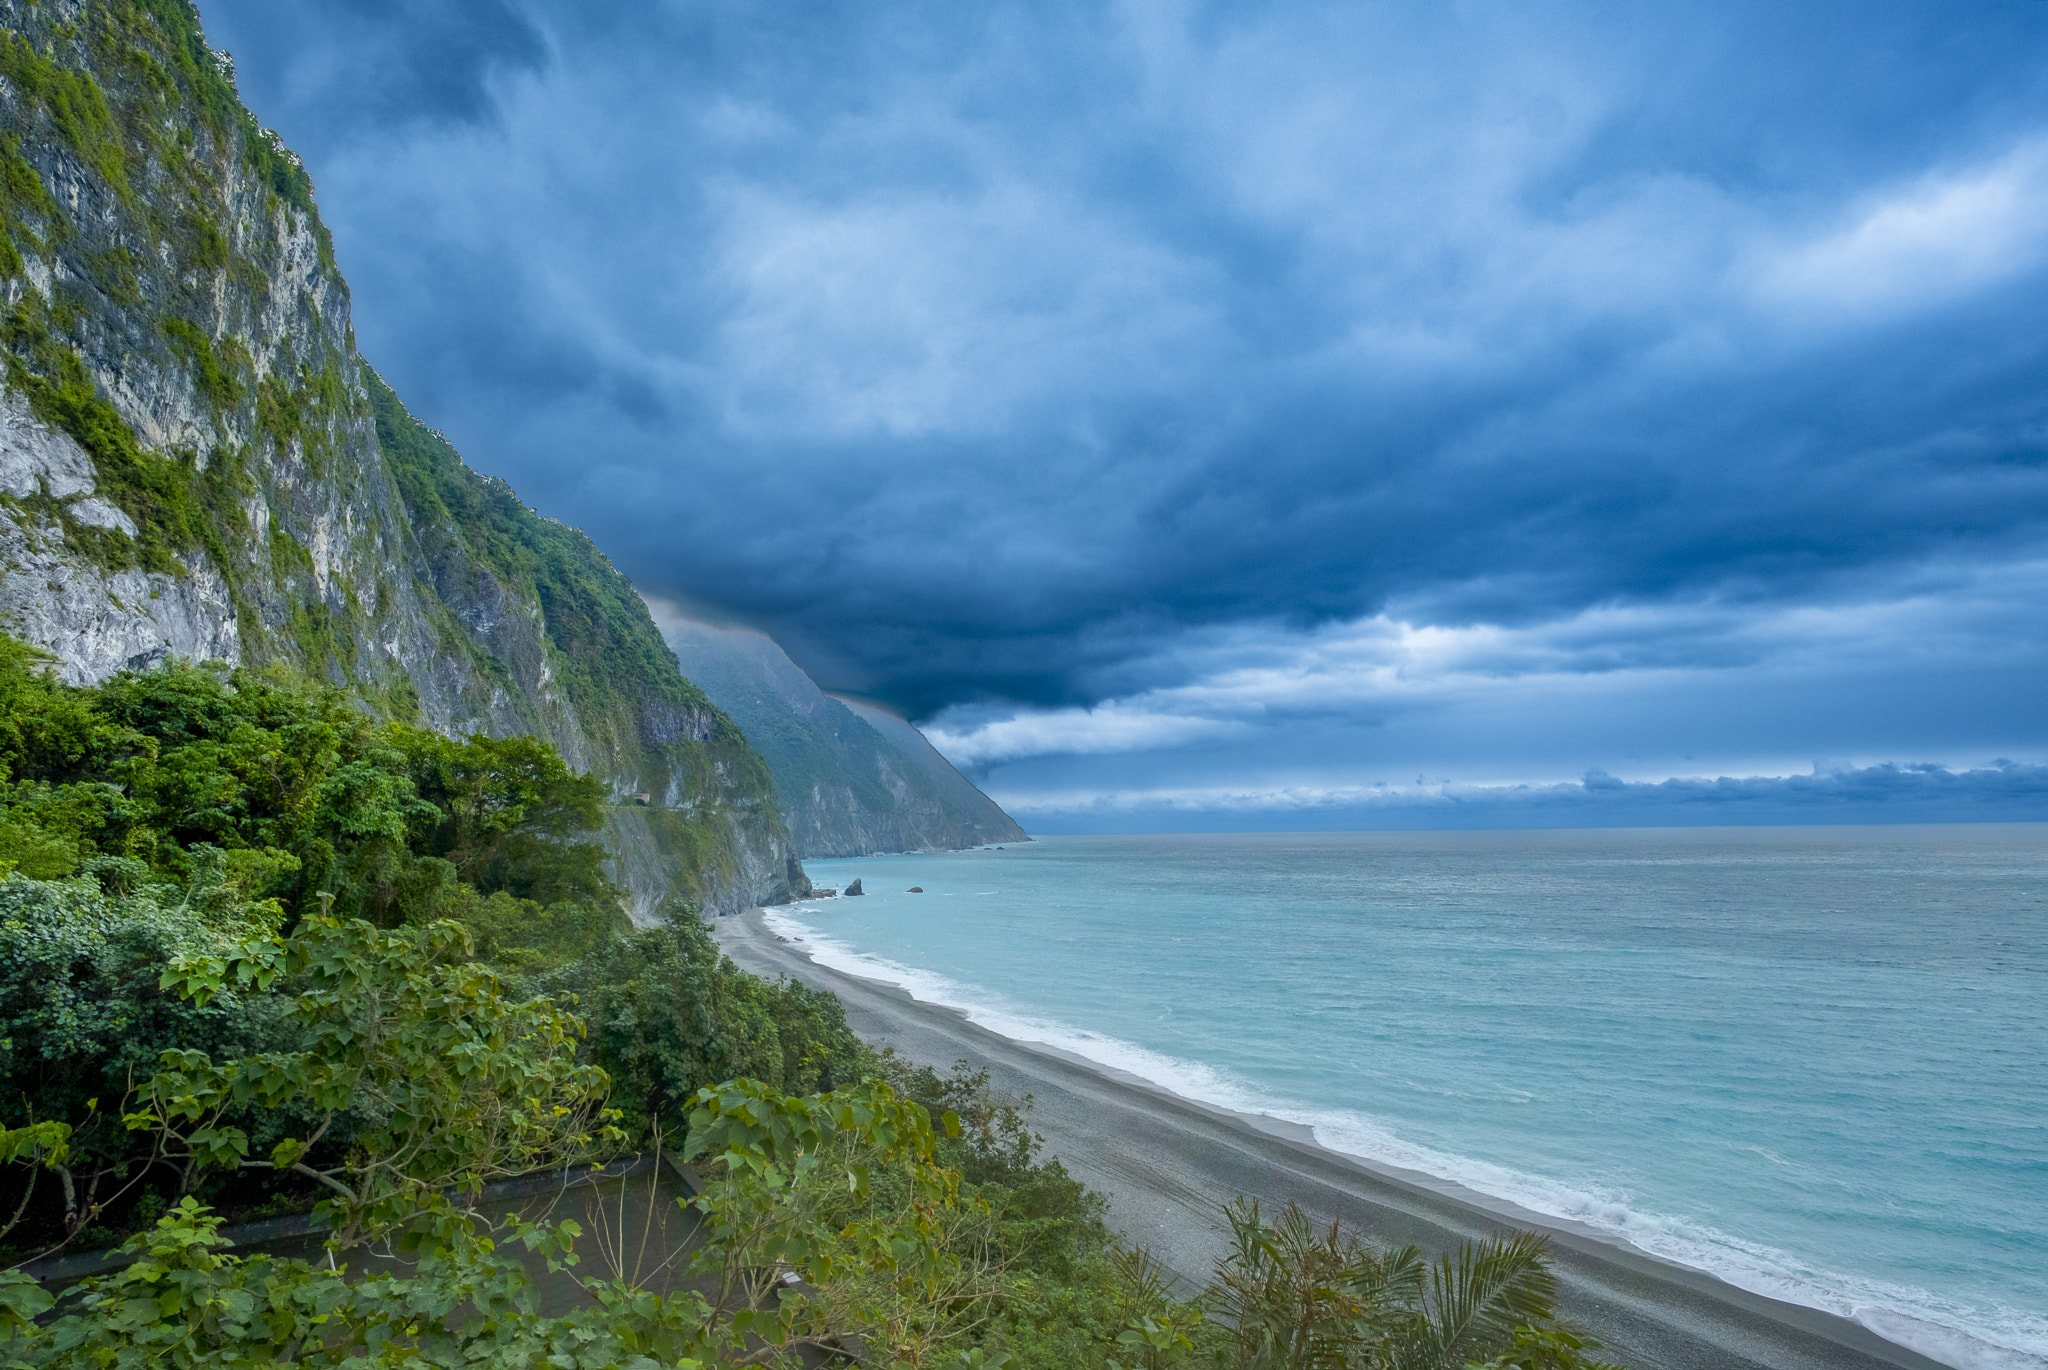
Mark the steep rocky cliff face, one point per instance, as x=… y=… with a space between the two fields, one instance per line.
x=850 y=783
x=195 y=462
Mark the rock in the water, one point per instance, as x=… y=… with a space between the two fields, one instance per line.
x=917 y=889
x=855 y=888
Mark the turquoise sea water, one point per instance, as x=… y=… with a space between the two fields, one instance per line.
x=1813 y=1061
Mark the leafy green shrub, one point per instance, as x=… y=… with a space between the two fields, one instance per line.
x=199 y=804
x=669 y=1014
x=395 y=820
x=83 y=1019
x=448 y=1082
x=1046 y=1222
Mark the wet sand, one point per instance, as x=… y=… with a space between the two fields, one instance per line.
x=1169 y=1164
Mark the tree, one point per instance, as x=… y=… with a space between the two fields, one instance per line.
x=787 y=1268
x=397 y=821
x=512 y=816
x=442 y=1082
x=83 y=1017
x=670 y=1015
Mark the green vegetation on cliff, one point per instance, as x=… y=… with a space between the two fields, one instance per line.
x=618 y=673
x=177 y=506
x=642 y=722
x=132 y=108
x=149 y=93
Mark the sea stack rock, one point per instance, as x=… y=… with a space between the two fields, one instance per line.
x=854 y=888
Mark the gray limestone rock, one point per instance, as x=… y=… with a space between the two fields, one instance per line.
x=34 y=460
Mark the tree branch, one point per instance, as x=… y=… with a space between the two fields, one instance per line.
x=27 y=1193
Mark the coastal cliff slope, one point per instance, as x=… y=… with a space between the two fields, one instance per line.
x=850 y=780
x=194 y=461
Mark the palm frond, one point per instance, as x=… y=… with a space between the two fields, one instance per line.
x=1142 y=1282
x=1296 y=1295
x=1478 y=1295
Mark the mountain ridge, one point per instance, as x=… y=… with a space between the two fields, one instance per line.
x=850 y=779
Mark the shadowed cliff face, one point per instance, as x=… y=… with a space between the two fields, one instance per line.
x=194 y=461
x=850 y=781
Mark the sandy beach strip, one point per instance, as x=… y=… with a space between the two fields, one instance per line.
x=1168 y=1165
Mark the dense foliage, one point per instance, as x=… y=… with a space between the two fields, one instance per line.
x=185 y=810
x=668 y=1015
x=279 y=789
x=260 y=949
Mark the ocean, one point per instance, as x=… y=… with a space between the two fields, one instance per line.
x=1813 y=1061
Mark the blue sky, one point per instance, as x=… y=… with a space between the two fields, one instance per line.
x=1286 y=415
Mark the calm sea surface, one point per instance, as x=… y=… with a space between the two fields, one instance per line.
x=1811 y=1060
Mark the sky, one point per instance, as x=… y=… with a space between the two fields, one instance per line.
x=1280 y=415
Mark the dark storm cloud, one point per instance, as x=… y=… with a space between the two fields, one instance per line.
x=1006 y=351
x=330 y=69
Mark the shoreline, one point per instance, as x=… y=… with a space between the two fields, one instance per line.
x=1169 y=1162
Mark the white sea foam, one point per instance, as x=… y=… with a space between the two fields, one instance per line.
x=1966 y=1337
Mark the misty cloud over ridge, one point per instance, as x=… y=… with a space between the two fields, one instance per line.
x=1025 y=364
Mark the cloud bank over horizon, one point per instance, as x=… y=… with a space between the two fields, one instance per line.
x=1161 y=398
x=2005 y=791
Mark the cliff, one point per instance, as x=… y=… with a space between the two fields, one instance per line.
x=850 y=781
x=194 y=461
